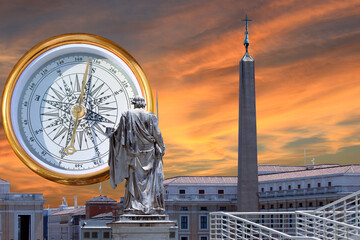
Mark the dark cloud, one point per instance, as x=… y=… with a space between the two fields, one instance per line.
x=344 y=156
x=352 y=120
x=304 y=142
x=234 y=148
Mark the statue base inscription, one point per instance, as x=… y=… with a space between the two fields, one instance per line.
x=144 y=227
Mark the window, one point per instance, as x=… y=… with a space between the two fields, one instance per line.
x=290 y=205
x=201 y=193
x=220 y=193
x=262 y=206
x=203 y=209
x=94 y=235
x=319 y=184
x=203 y=222
x=329 y=184
x=280 y=188
x=184 y=238
x=222 y=209
x=289 y=187
x=262 y=189
x=86 y=234
x=106 y=235
x=299 y=186
x=182 y=193
x=309 y=185
x=310 y=204
x=300 y=205
x=183 y=208
x=321 y=203
x=184 y=222
x=203 y=238
x=270 y=188
x=272 y=206
x=281 y=205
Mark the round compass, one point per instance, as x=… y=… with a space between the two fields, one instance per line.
x=60 y=98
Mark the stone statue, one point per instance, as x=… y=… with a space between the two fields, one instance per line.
x=136 y=150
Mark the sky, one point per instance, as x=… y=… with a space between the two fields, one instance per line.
x=307 y=67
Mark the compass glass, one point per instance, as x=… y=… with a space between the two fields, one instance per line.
x=56 y=103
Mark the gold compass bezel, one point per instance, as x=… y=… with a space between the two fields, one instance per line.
x=21 y=65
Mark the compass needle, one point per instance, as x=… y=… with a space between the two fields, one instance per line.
x=78 y=111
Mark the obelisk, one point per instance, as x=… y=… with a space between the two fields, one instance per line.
x=247 y=195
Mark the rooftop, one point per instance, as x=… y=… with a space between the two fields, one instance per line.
x=101 y=198
x=69 y=211
x=3 y=181
x=278 y=173
x=322 y=171
x=265 y=169
x=200 y=180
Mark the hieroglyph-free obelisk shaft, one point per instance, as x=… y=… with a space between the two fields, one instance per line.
x=247 y=195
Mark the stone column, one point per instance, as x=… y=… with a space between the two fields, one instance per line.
x=247 y=196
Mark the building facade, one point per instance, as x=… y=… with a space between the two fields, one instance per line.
x=64 y=223
x=82 y=222
x=21 y=214
x=306 y=188
x=189 y=200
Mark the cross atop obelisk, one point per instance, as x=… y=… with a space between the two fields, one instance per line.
x=246 y=41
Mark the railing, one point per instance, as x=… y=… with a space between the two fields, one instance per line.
x=200 y=197
x=323 y=228
x=281 y=221
x=279 y=225
x=335 y=221
x=227 y=226
x=308 y=191
x=346 y=209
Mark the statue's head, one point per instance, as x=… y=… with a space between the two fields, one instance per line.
x=139 y=102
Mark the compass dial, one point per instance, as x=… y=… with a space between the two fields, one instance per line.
x=61 y=104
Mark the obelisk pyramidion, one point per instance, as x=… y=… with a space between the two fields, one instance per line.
x=247 y=195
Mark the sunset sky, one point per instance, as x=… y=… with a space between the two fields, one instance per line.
x=307 y=67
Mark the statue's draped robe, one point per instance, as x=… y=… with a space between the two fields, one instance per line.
x=136 y=150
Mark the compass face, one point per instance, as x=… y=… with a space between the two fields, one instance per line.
x=61 y=104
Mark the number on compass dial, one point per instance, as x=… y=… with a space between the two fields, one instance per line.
x=63 y=106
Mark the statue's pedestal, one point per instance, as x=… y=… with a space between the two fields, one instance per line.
x=144 y=227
